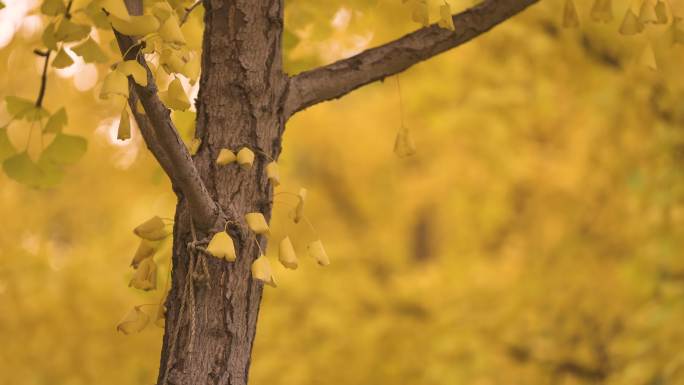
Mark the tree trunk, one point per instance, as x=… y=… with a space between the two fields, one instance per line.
x=240 y=104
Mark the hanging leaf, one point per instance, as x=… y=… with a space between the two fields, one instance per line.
x=134 y=69
x=647 y=58
x=68 y=31
x=261 y=270
x=153 y=229
x=225 y=157
x=445 y=19
x=661 y=12
x=175 y=97
x=647 y=13
x=171 y=61
x=570 y=17
x=299 y=209
x=245 y=158
x=6 y=147
x=62 y=60
x=273 y=174
x=56 y=122
x=631 y=24
x=170 y=31
x=52 y=174
x=419 y=12
x=48 y=37
x=134 y=322
x=90 y=51
x=115 y=83
x=257 y=223
x=287 y=255
x=124 y=131
x=222 y=246
x=20 y=108
x=52 y=7
x=65 y=149
x=146 y=249
x=21 y=168
x=134 y=25
x=317 y=252
x=145 y=276
x=602 y=11
x=192 y=68
x=403 y=144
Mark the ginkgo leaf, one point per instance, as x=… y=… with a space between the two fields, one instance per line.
x=48 y=37
x=145 y=276
x=124 y=131
x=287 y=255
x=20 y=108
x=647 y=58
x=134 y=69
x=153 y=229
x=153 y=43
x=602 y=11
x=647 y=12
x=261 y=270
x=115 y=83
x=65 y=149
x=134 y=322
x=192 y=68
x=299 y=209
x=52 y=7
x=225 y=157
x=161 y=10
x=195 y=145
x=6 y=147
x=171 y=61
x=257 y=223
x=677 y=33
x=630 y=24
x=56 y=122
x=22 y=169
x=272 y=173
x=62 y=60
x=222 y=246
x=134 y=25
x=661 y=12
x=403 y=144
x=317 y=252
x=245 y=158
x=146 y=249
x=445 y=19
x=51 y=173
x=96 y=14
x=68 y=31
x=175 y=97
x=570 y=17
x=2 y=5
x=90 y=51
x=170 y=31
x=419 y=12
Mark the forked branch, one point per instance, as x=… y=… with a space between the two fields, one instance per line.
x=337 y=79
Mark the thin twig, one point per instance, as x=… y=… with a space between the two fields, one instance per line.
x=43 y=81
x=188 y=11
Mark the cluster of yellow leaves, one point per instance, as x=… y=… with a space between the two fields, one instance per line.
x=420 y=14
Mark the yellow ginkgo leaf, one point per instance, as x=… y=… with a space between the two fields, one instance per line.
x=299 y=209
x=602 y=11
x=195 y=145
x=261 y=270
x=273 y=173
x=134 y=25
x=175 y=97
x=317 y=252
x=192 y=68
x=171 y=61
x=257 y=223
x=52 y=7
x=445 y=18
x=146 y=249
x=62 y=60
x=676 y=32
x=222 y=246
x=287 y=255
x=134 y=322
x=48 y=37
x=647 y=58
x=134 y=69
x=115 y=83
x=225 y=157
x=630 y=24
x=661 y=12
x=145 y=276
x=647 y=12
x=161 y=10
x=419 y=12
x=90 y=51
x=403 y=144
x=170 y=31
x=56 y=122
x=153 y=229
x=68 y=31
x=570 y=17
x=245 y=157
x=124 y=131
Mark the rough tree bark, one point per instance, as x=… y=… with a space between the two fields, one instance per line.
x=245 y=100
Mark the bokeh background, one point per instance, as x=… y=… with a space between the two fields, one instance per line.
x=535 y=237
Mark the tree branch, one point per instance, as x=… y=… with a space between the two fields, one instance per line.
x=163 y=139
x=337 y=79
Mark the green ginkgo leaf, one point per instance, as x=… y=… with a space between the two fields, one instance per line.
x=90 y=51
x=6 y=147
x=21 y=108
x=65 y=149
x=22 y=169
x=56 y=122
x=62 y=60
x=68 y=31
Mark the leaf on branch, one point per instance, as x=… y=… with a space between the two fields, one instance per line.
x=65 y=149
x=49 y=38
x=403 y=143
x=20 y=108
x=647 y=13
x=115 y=83
x=153 y=229
x=445 y=18
x=171 y=61
x=134 y=322
x=6 y=147
x=661 y=12
x=272 y=173
x=287 y=255
x=134 y=25
x=171 y=33
x=62 y=60
x=222 y=246
x=570 y=17
x=317 y=252
x=68 y=31
x=124 y=131
x=146 y=249
x=134 y=69
x=647 y=58
x=145 y=276
x=174 y=97
x=225 y=157
x=630 y=24
x=602 y=11
x=90 y=51
x=56 y=122
x=257 y=223
x=22 y=169
x=245 y=158
x=299 y=209
x=419 y=12
x=261 y=270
